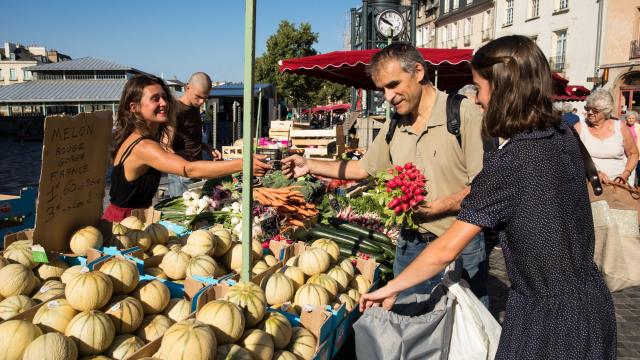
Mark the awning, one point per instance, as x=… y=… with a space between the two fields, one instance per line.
x=334 y=108
x=349 y=67
x=562 y=91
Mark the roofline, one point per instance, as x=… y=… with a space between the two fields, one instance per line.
x=56 y=100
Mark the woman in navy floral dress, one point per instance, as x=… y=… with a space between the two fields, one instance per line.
x=533 y=190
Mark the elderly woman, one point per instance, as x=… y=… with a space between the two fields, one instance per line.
x=634 y=128
x=610 y=144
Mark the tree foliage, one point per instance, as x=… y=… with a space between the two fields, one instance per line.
x=291 y=41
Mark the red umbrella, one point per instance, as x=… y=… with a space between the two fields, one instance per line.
x=349 y=67
x=562 y=91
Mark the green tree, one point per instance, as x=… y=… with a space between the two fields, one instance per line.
x=291 y=41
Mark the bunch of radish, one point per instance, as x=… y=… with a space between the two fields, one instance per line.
x=406 y=188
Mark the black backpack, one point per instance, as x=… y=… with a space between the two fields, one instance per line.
x=453 y=123
x=453 y=119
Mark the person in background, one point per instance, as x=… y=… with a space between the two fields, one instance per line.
x=470 y=91
x=186 y=136
x=634 y=128
x=568 y=116
x=421 y=137
x=533 y=190
x=610 y=144
x=141 y=152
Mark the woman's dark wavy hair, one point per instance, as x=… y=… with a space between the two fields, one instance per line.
x=521 y=86
x=128 y=121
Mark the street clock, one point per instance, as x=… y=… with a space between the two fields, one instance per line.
x=390 y=23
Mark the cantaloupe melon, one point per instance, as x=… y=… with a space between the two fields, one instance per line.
x=52 y=270
x=126 y=313
x=225 y=318
x=3 y=262
x=122 y=241
x=361 y=284
x=178 y=309
x=51 y=346
x=132 y=223
x=159 y=234
x=303 y=344
x=327 y=282
x=124 y=346
x=84 y=239
x=154 y=296
x=311 y=294
x=280 y=329
x=156 y=272
x=188 y=339
x=201 y=265
x=153 y=327
x=284 y=355
x=223 y=240
x=296 y=276
x=354 y=294
x=293 y=261
x=278 y=289
x=174 y=264
x=20 y=253
x=68 y=274
x=158 y=249
x=340 y=276
x=123 y=274
x=348 y=302
x=258 y=343
x=92 y=332
x=16 y=279
x=14 y=305
x=15 y=336
x=54 y=316
x=88 y=290
x=200 y=242
x=270 y=260
x=314 y=261
x=141 y=238
x=233 y=352
x=330 y=247
x=48 y=290
x=347 y=266
x=259 y=267
x=251 y=300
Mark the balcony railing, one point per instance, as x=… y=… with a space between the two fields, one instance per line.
x=487 y=34
x=634 y=52
x=557 y=63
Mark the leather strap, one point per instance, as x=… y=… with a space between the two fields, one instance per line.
x=589 y=166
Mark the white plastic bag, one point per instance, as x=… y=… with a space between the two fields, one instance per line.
x=475 y=332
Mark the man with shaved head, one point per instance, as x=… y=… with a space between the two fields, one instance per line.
x=187 y=134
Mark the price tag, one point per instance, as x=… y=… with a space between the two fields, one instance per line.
x=53 y=304
x=38 y=254
x=115 y=307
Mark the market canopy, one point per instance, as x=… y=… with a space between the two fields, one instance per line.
x=349 y=67
x=334 y=108
x=563 y=91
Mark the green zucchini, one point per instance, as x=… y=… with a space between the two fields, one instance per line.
x=347 y=252
x=346 y=241
x=324 y=232
x=360 y=230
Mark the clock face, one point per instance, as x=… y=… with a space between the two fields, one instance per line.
x=390 y=23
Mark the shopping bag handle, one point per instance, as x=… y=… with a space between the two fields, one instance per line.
x=589 y=167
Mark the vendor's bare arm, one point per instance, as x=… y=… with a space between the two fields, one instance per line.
x=345 y=169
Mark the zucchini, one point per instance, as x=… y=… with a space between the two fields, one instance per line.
x=360 y=230
x=348 y=252
x=325 y=231
x=347 y=242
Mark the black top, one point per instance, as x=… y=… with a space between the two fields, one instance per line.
x=134 y=194
x=187 y=140
x=534 y=192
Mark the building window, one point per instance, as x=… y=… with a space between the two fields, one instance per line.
x=12 y=56
x=26 y=75
x=563 y=4
x=534 y=8
x=456 y=4
x=12 y=75
x=508 y=13
x=486 y=25
x=534 y=38
x=1 y=76
x=444 y=37
x=467 y=31
x=446 y=6
x=558 y=59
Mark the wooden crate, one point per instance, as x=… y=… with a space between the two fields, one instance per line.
x=279 y=134
x=280 y=125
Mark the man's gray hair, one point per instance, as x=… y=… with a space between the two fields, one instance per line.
x=201 y=81
x=601 y=100
x=405 y=53
x=632 y=113
x=468 y=89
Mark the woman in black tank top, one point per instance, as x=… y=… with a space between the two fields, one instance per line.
x=141 y=153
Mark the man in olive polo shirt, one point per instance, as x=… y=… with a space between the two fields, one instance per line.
x=422 y=138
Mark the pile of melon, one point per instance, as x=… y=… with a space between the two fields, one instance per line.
x=107 y=311
x=317 y=277
x=237 y=327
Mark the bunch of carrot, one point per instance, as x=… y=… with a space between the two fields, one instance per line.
x=289 y=202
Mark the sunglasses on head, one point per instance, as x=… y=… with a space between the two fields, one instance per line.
x=593 y=110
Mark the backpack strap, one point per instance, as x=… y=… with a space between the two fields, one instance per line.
x=453 y=115
x=392 y=127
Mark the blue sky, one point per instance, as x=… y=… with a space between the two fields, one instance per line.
x=174 y=38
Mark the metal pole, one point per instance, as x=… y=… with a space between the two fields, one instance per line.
x=435 y=80
x=388 y=107
x=214 y=127
x=234 y=111
x=259 y=119
x=247 y=158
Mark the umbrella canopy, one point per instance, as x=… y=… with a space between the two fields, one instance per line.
x=563 y=91
x=349 y=67
x=334 y=108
